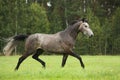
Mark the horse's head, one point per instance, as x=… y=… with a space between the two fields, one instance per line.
x=85 y=28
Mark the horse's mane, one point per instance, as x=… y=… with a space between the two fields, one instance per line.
x=75 y=21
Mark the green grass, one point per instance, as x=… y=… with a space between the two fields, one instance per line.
x=97 y=68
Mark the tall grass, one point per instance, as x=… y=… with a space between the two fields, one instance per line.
x=97 y=68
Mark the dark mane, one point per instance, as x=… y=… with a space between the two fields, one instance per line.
x=72 y=29
x=75 y=21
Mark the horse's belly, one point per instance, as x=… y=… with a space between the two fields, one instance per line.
x=55 y=50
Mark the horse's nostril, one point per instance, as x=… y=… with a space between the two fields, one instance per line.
x=91 y=36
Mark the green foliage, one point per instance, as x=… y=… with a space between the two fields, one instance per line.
x=116 y=23
x=56 y=23
x=116 y=31
x=38 y=21
x=96 y=41
x=19 y=17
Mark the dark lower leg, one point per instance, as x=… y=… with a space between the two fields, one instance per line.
x=78 y=57
x=21 y=59
x=36 y=55
x=64 y=60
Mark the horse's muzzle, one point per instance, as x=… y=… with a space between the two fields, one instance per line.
x=91 y=36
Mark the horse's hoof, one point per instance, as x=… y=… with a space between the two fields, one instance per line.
x=15 y=69
x=83 y=66
x=44 y=65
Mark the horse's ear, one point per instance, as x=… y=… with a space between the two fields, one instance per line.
x=84 y=20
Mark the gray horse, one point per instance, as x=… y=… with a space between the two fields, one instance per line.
x=59 y=43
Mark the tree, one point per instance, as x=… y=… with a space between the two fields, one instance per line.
x=116 y=31
x=17 y=17
x=37 y=19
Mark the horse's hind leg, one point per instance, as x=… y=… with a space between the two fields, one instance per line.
x=21 y=59
x=36 y=55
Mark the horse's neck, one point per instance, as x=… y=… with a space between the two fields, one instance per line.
x=72 y=31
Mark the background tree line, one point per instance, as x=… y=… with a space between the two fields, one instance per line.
x=34 y=16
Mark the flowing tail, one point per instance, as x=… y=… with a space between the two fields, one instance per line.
x=12 y=43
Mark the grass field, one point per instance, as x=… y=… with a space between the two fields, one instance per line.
x=97 y=68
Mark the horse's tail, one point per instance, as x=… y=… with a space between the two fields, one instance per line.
x=12 y=43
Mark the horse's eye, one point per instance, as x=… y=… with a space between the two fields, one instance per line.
x=85 y=26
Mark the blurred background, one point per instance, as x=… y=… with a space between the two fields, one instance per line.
x=50 y=16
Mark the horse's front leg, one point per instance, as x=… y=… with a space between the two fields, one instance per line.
x=69 y=51
x=78 y=57
x=65 y=56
